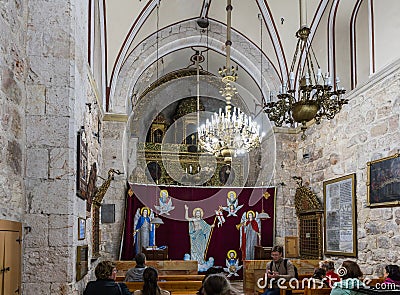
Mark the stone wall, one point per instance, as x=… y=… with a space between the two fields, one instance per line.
x=59 y=86
x=366 y=129
x=13 y=94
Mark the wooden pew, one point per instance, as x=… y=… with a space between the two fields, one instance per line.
x=175 y=287
x=164 y=267
x=316 y=291
x=253 y=270
x=172 y=278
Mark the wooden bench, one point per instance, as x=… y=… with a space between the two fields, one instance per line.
x=174 y=287
x=164 y=267
x=317 y=291
x=172 y=278
x=253 y=270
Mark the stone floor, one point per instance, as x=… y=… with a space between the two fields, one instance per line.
x=238 y=285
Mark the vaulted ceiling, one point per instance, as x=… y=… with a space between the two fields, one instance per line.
x=340 y=30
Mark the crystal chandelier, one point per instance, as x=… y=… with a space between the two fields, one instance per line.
x=231 y=132
x=312 y=96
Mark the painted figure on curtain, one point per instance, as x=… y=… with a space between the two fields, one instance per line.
x=250 y=234
x=200 y=234
x=144 y=234
x=232 y=264
x=165 y=203
x=232 y=206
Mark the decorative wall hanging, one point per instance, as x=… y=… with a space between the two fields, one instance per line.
x=82 y=165
x=383 y=182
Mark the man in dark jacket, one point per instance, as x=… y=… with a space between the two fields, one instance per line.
x=135 y=274
x=105 y=284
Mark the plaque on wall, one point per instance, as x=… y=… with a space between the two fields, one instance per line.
x=81 y=261
x=108 y=213
x=340 y=216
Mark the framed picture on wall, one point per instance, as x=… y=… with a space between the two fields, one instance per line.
x=81 y=228
x=340 y=216
x=82 y=165
x=383 y=182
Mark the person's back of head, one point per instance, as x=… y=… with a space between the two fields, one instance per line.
x=140 y=259
x=216 y=284
x=150 y=286
x=353 y=270
x=319 y=273
x=393 y=272
x=104 y=270
x=327 y=265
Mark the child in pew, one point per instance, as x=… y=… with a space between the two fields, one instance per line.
x=329 y=267
x=150 y=286
x=391 y=274
x=105 y=284
x=319 y=278
x=135 y=274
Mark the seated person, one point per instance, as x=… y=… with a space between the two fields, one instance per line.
x=150 y=286
x=329 y=267
x=392 y=274
x=277 y=269
x=217 y=284
x=350 y=282
x=135 y=274
x=210 y=271
x=105 y=284
x=320 y=279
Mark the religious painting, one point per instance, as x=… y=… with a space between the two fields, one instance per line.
x=82 y=165
x=81 y=228
x=340 y=216
x=232 y=264
x=165 y=203
x=383 y=182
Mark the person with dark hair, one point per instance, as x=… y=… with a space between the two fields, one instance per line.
x=216 y=284
x=135 y=274
x=105 y=284
x=150 y=286
x=351 y=275
x=391 y=274
x=329 y=267
x=319 y=278
x=210 y=271
x=278 y=268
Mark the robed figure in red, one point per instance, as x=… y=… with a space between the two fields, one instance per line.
x=250 y=234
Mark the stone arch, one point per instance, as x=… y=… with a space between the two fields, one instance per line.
x=183 y=35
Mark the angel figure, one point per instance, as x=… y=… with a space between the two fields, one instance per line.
x=144 y=233
x=165 y=203
x=232 y=264
x=232 y=206
x=250 y=234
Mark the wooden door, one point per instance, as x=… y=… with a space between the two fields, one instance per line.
x=12 y=263
x=10 y=257
x=291 y=247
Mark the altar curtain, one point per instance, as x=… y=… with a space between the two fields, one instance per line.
x=174 y=233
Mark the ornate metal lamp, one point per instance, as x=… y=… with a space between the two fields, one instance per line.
x=311 y=96
x=231 y=132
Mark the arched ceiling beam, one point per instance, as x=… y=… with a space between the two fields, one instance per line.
x=141 y=58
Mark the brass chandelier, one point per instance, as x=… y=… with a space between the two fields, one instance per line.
x=312 y=96
x=231 y=132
